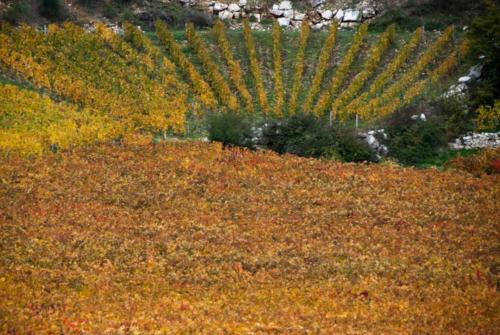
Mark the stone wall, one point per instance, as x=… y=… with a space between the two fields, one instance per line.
x=319 y=13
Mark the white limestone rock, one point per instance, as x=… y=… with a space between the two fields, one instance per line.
x=276 y=12
x=456 y=90
x=464 y=79
x=225 y=15
x=234 y=8
x=299 y=16
x=285 y=5
x=352 y=15
x=475 y=71
x=326 y=14
x=476 y=141
x=284 y=21
x=318 y=26
x=288 y=13
x=219 y=6
x=339 y=16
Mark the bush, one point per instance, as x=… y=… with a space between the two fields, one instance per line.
x=488 y=118
x=484 y=34
x=109 y=10
x=487 y=161
x=432 y=14
x=308 y=136
x=198 y=18
x=231 y=129
x=414 y=141
x=52 y=10
x=179 y=16
x=20 y=11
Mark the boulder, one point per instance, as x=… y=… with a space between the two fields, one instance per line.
x=284 y=21
x=464 y=79
x=234 y=7
x=352 y=15
x=455 y=90
x=219 y=6
x=288 y=13
x=296 y=24
x=299 y=16
x=318 y=26
x=339 y=16
x=475 y=71
x=243 y=3
x=276 y=12
x=326 y=14
x=225 y=15
x=285 y=5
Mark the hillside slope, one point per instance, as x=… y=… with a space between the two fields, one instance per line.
x=190 y=238
x=435 y=14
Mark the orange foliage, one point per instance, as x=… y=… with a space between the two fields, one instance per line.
x=487 y=161
x=190 y=238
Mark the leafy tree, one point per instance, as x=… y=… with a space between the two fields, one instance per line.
x=52 y=10
x=484 y=34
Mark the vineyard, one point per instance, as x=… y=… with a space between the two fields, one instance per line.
x=190 y=238
x=132 y=83
x=115 y=219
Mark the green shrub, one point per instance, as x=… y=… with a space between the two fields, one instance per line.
x=484 y=34
x=414 y=141
x=488 y=118
x=431 y=14
x=417 y=142
x=52 y=10
x=109 y=10
x=308 y=136
x=231 y=129
x=20 y=11
x=178 y=16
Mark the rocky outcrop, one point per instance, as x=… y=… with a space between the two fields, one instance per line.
x=372 y=139
x=463 y=82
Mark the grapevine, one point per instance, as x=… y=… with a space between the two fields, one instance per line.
x=216 y=79
x=321 y=68
x=279 y=97
x=254 y=67
x=342 y=71
x=299 y=67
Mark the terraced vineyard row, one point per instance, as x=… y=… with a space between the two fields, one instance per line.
x=142 y=86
